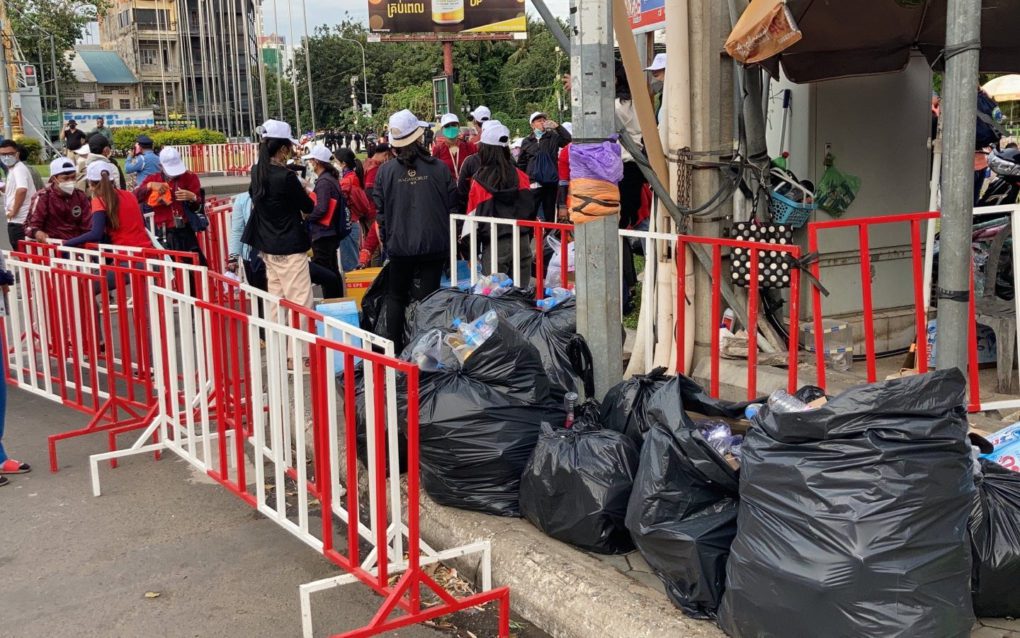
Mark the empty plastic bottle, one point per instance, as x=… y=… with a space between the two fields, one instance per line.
x=782 y=401
x=752 y=410
x=501 y=284
x=569 y=401
x=553 y=298
x=471 y=335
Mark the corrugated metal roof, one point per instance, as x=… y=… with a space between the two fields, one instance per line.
x=107 y=67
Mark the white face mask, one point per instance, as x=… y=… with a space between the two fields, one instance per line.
x=67 y=187
x=9 y=160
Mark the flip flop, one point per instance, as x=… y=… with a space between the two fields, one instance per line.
x=10 y=466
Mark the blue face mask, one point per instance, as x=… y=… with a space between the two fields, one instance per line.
x=539 y=133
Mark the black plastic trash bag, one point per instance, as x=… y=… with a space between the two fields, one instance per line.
x=564 y=353
x=680 y=395
x=683 y=510
x=577 y=484
x=439 y=309
x=360 y=416
x=853 y=517
x=480 y=424
x=374 y=301
x=623 y=409
x=995 y=542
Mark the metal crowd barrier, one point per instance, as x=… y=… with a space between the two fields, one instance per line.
x=230 y=159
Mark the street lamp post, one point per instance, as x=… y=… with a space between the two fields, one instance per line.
x=364 y=67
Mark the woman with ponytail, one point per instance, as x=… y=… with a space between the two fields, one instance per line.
x=116 y=215
x=276 y=228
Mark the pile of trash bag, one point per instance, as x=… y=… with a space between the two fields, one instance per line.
x=439 y=309
x=564 y=353
x=624 y=410
x=853 y=516
x=682 y=513
x=578 y=481
x=995 y=542
x=479 y=423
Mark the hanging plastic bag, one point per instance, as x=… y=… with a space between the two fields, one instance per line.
x=836 y=190
x=596 y=171
x=554 y=261
x=765 y=28
x=577 y=484
x=995 y=542
x=853 y=516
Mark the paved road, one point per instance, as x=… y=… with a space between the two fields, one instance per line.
x=77 y=565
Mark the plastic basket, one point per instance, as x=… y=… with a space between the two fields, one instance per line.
x=786 y=211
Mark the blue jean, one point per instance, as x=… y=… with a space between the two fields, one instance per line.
x=350 y=248
x=3 y=410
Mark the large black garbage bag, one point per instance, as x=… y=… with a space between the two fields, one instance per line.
x=577 y=484
x=853 y=517
x=373 y=303
x=681 y=394
x=439 y=309
x=564 y=353
x=995 y=542
x=682 y=513
x=623 y=409
x=480 y=424
x=361 y=416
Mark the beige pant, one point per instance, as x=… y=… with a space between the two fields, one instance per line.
x=287 y=276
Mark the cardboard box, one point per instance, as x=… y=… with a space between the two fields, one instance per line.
x=357 y=283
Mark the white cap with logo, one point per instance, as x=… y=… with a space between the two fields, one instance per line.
x=320 y=153
x=171 y=162
x=495 y=134
x=405 y=128
x=658 y=63
x=62 y=166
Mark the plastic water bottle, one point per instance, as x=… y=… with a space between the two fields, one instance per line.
x=782 y=401
x=501 y=284
x=752 y=410
x=471 y=335
x=553 y=298
x=569 y=401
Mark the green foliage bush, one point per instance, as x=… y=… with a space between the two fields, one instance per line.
x=33 y=146
x=124 y=137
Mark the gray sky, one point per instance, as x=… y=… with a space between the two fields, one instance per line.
x=332 y=12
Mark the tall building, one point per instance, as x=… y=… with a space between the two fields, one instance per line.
x=198 y=60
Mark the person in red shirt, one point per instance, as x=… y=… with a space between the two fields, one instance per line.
x=116 y=214
x=449 y=148
x=381 y=154
x=59 y=211
x=361 y=207
x=175 y=197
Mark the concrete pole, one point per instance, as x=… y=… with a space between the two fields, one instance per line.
x=959 y=106
x=597 y=242
x=308 y=64
x=293 y=69
x=5 y=89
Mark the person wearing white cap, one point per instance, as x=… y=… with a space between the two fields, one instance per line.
x=478 y=118
x=658 y=70
x=276 y=228
x=539 y=159
x=413 y=197
x=174 y=195
x=500 y=189
x=60 y=210
x=330 y=220
x=116 y=216
x=449 y=148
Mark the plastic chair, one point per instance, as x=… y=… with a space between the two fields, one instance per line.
x=998 y=314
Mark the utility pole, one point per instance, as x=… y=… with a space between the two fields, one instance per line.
x=308 y=65
x=5 y=89
x=959 y=110
x=354 y=98
x=597 y=242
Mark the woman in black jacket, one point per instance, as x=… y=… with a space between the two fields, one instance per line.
x=276 y=228
x=330 y=220
x=413 y=198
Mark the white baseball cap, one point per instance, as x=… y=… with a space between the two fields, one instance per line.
x=171 y=162
x=495 y=134
x=536 y=115
x=83 y=150
x=569 y=126
x=517 y=142
x=276 y=129
x=481 y=114
x=320 y=153
x=94 y=171
x=405 y=128
x=449 y=118
x=658 y=63
x=62 y=166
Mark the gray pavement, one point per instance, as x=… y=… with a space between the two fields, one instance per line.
x=74 y=564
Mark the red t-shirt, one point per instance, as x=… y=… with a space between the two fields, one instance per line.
x=131 y=227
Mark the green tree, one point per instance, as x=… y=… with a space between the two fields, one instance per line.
x=34 y=21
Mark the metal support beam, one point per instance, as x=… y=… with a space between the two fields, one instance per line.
x=959 y=106
x=552 y=24
x=597 y=242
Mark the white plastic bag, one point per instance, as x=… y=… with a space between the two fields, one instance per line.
x=553 y=275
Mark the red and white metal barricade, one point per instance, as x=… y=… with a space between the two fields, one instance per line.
x=230 y=159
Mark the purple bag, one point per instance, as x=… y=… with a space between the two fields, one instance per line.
x=597 y=161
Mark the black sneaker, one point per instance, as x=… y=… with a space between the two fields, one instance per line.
x=4 y=481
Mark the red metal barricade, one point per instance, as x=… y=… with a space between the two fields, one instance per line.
x=566 y=232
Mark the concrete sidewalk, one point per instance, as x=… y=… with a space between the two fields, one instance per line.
x=78 y=565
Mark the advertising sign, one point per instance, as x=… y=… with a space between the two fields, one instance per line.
x=113 y=117
x=447 y=16
x=646 y=15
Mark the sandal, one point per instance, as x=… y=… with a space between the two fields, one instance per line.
x=10 y=466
